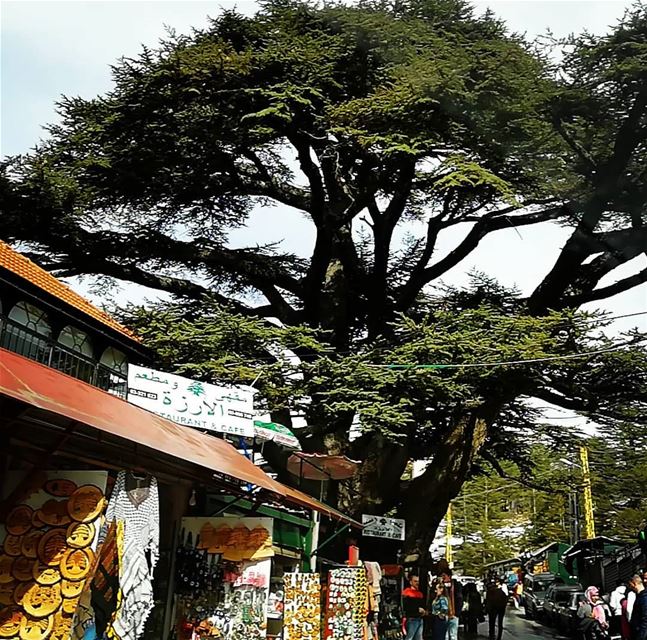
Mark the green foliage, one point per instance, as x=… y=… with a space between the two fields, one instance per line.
x=362 y=118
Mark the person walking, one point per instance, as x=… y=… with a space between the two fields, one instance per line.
x=517 y=590
x=639 y=613
x=496 y=602
x=455 y=595
x=412 y=600
x=439 y=612
x=472 y=608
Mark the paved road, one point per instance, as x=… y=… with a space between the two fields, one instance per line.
x=516 y=627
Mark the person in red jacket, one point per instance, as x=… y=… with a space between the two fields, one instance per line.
x=412 y=601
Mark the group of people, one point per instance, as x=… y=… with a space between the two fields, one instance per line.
x=442 y=610
x=625 y=614
x=627 y=607
x=448 y=603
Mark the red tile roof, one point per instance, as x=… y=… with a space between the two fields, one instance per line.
x=24 y=268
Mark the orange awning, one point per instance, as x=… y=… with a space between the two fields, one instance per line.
x=51 y=391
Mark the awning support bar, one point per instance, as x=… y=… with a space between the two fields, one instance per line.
x=328 y=540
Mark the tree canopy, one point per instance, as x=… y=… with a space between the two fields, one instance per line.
x=365 y=119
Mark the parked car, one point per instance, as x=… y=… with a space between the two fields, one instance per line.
x=557 y=595
x=534 y=591
x=566 y=611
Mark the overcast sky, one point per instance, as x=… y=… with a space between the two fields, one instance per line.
x=54 y=48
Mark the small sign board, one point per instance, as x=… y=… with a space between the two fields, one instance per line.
x=382 y=527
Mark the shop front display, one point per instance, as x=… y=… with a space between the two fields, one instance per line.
x=347 y=604
x=48 y=545
x=302 y=606
x=223 y=573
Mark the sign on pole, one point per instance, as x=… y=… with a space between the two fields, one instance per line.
x=193 y=403
x=382 y=527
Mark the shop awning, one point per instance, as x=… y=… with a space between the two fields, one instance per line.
x=38 y=387
x=318 y=466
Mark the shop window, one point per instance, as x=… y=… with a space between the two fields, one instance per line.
x=76 y=340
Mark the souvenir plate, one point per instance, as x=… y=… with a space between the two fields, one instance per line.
x=29 y=545
x=20 y=591
x=6 y=564
x=44 y=574
x=54 y=513
x=19 y=520
x=71 y=589
x=85 y=504
x=62 y=626
x=36 y=628
x=76 y=564
x=52 y=546
x=80 y=535
x=21 y=569
x=60 y=488
x=36 y=522
x=41 y=601
x=6 y=593
x=10 y=619
x=13 y=545
x=69 y=605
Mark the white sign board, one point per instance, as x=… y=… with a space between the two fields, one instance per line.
x=192 y=403
x=381 y=527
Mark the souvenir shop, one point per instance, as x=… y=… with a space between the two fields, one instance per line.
x=102 y=533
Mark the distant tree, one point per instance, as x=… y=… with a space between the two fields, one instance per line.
x=365 y=118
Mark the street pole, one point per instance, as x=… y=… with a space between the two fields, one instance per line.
x=589 y=520
x=448 y=536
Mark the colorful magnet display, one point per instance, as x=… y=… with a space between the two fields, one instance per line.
x=302 y=606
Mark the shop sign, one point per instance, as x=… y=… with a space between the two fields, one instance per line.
x=381 y=527
x=193 y=403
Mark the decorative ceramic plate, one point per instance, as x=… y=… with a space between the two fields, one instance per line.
x=80 y=535
x=10 y=620
x=52 y=546
x=36 y=628
x=44 y=574
x=19 y=520
x=86 y=503
x=61 y=488
x=54 y=513
x=29 y=545
x=13 y=545
x=76 y=564
x=42 y=601
x=21 y=569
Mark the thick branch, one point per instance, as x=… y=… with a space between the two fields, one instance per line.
x=581 y=152
x=487 y=224
x=486 y=455
x=262 y=183
x=312 y=173
x=549 y=293
x=607 y=292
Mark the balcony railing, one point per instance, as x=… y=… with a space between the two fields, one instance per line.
x=19 y=339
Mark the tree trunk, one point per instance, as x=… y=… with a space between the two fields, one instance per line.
x=428 y=496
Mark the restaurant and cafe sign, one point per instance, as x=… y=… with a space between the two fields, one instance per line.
x=193 y=403
x=381 y=527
